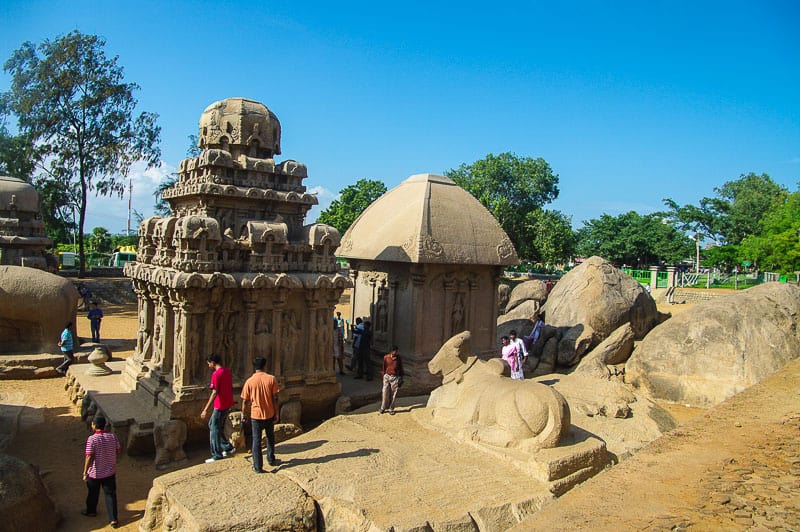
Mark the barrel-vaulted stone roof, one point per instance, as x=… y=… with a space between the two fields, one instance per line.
x=428 y=219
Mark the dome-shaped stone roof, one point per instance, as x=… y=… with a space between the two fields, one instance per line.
x=428 y=219
x=19 y=193
x=240 y=125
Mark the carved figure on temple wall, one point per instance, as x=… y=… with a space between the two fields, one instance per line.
x=324 y=340
x=381 y=312
x=458 y=313
x=263 y=335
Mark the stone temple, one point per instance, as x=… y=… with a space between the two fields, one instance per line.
x=22 y=237
x=236 y=272
x=426 y=259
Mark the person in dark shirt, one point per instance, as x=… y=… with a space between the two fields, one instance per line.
x=392 y=379
x=363 y=368
x=95 y=316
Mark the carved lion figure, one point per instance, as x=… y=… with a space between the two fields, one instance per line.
x=477 y=403
x=169 y=439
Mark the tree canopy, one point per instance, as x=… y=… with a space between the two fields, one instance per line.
x=776 y=244
x=734 y=214
x=352 y=201
x=634 y=239
x=513 y=189
x=70 y=100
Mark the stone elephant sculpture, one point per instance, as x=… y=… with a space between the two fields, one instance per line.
x=34 y=308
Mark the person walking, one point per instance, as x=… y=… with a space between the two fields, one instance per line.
x=100 y=470
x=260 y=391
x=66 y=345
x=222 y=398
x=392 y=380
x=95 y=315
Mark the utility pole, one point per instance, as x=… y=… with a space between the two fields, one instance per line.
x=130 y=195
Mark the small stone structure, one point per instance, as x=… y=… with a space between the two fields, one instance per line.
x=236 y=272
x=426 y=260
x=22 y=238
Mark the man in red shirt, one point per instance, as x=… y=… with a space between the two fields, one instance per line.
x=100 y=470
x=261 y=392
x=222 y=397
x=392 y=380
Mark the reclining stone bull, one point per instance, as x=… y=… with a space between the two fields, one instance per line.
x=477 y=403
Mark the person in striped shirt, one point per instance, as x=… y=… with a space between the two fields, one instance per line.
x=100 y=470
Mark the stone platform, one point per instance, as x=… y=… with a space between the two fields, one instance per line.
x=367 y=471
x=131 y=419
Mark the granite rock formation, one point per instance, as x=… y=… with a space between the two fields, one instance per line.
x=720 y=347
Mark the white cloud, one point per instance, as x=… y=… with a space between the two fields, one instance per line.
x=111 y=212
x=325 y=197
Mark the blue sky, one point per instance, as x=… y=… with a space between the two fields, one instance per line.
x=629 y=102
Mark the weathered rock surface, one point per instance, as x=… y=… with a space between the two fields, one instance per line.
x=34 y=307
x=24 y=502
x=227 y=495
x=534 y=291
x=720 y=347
x=616 y=349
x=523 y=311
x=601 y=296
x=574 y=343
x=610 y=410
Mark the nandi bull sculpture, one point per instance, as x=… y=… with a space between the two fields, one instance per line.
x=477 y=403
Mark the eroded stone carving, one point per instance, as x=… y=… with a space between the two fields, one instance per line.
x=235 y=271
x=476 y=403
x=169 y=439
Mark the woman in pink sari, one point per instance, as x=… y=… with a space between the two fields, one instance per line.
x=511 y=356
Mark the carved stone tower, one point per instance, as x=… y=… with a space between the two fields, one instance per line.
x=236 y=272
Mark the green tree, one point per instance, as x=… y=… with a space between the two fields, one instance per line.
x=71 y=101
x=734 y=214
x=17 y=155
x=100 y=240
x=553 y=241
x=352 y=201
x=633 y=239
x=511 y=188
x=776 y=247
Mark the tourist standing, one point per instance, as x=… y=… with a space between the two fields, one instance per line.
x=338 y=345
x=100 y=470
x=392 y=380
x=261 y=392
x=95 y=316
x=66 y=345
x=509 y=352
x=222 y=397
x=358 y=328
x=522 y=352
x=363 y=368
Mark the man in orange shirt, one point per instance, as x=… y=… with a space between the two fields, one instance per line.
x=260 y=391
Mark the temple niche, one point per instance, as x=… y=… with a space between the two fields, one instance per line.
x=236 y=272
x=23 y=241
x=425 y=260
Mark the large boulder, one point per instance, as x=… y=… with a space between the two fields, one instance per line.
x=708 y=353
x=534 y=291
x=603 y=297
x=34 y=307
x=24 y=501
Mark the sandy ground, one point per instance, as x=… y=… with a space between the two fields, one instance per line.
x=52 y=436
